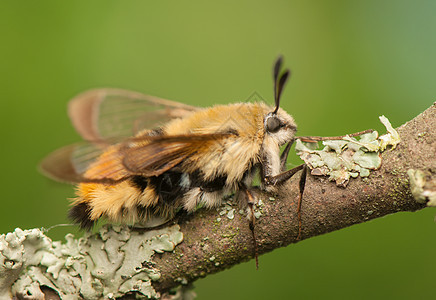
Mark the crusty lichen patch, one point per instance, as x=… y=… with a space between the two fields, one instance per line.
x=349 y=157
x=423 y=186
x=108 y=264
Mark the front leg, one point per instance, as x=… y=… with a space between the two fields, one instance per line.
x=270 y=180
x=284 y=155
x=271 y=174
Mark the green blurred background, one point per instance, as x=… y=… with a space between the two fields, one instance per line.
x=351 y=60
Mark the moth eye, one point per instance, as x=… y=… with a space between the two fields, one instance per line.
x=272 y=124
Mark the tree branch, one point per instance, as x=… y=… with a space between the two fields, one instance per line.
x=211 y=246
x=214 y=240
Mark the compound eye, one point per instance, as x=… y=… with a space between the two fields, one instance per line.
x=272 y=124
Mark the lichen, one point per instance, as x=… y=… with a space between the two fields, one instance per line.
x=349 y=157
x=107 y=264
x=258 y=209
x=183 y=292
x=423 y=186
x=231 y=214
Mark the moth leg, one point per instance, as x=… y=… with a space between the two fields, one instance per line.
x=284 y=155
x=282 y=177
x=251 y=219
x=300 y=199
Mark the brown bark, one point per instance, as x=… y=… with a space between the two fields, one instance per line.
x=211 y=246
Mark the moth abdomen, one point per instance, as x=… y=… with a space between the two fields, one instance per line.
x=196 y=179
x=167 y=186
x=139 y=182
x=80 y=214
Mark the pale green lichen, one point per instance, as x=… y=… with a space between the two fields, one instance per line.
x=227 y=209
x=392 y=138
x=181 y=292
x=349 y=157
x=258 y=209
x=108 y=264
x=423 y=186
x=231 y=214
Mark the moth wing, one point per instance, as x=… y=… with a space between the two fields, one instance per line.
x=69 y=163
x=105 y=113
x=104 y=117
x=161 y=154
x=145 y=155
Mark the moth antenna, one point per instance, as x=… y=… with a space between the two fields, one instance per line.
x=276 y=71
x=279 y=81
x=282 y=82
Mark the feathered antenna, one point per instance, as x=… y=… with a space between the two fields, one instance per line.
x=279 y=81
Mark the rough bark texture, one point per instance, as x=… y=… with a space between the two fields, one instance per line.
x=211 y=246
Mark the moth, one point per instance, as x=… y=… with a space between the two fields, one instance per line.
x=145 y=158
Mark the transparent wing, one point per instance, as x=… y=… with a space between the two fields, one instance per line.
x=102 y=114
x=146 y=155
x=160 y=154
x=69 y=163
x=104 y=117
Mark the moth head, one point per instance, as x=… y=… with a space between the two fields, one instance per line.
x=278 y=124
